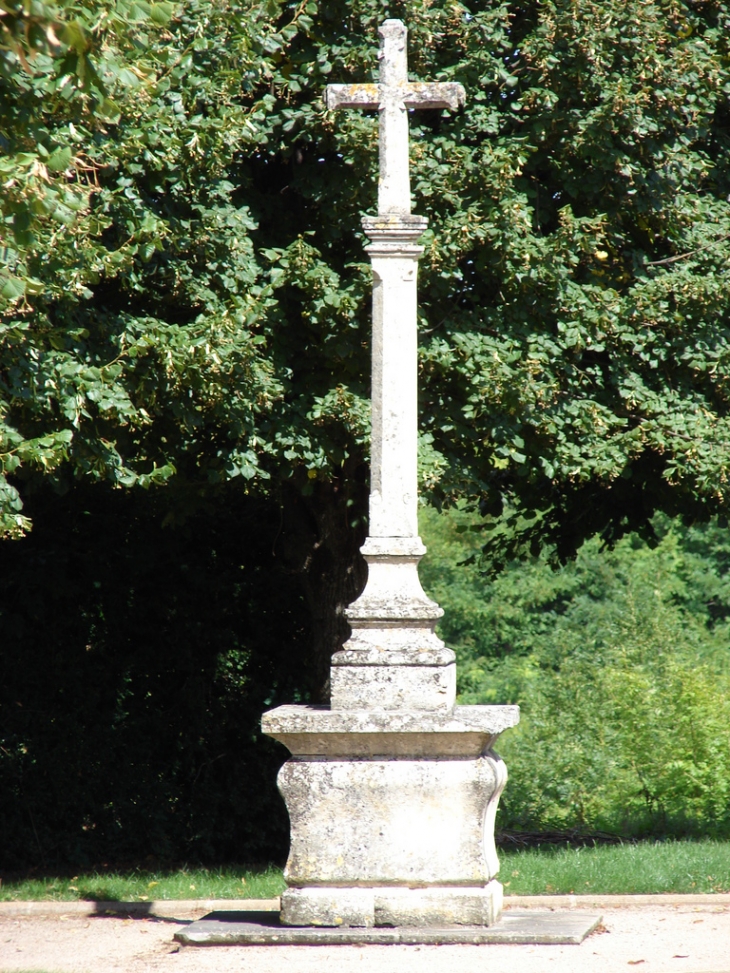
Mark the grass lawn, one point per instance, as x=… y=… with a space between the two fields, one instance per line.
x=648 y=867
x=141 y=885
x=671 y=866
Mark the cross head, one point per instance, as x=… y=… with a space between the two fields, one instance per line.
x=393 y=96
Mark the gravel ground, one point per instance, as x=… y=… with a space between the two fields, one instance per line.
x=654 y=939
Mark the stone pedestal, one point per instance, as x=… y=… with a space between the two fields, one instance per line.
x=392 y=815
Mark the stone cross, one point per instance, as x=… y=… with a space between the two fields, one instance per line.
x=394 y=659
x=392 y=789
x=393 y=96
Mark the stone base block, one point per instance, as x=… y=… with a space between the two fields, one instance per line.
x=415 y=688
x=392 y=816
x=392 y=906
x=264 y=929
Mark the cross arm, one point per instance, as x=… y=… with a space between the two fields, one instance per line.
x=414 y=94
x=423 y=94
x=353 y=96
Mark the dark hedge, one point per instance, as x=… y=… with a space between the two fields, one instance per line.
x=136 y=661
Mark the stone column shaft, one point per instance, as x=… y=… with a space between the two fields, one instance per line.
x=394 y=660
x=394 y=437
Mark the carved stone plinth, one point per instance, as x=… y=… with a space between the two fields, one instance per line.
x=392 y=815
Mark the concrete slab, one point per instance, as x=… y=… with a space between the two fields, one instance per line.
x=264 y=929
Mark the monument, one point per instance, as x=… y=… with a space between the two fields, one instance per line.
x=392 y=789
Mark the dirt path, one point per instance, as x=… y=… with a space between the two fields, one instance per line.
x=652 y=939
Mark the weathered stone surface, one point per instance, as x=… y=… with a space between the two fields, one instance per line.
x=328 y=907
x=413 y=94
x=471 y=729
x=393 y=614
x=394 y=593
x=393 y=442
x=318 y=731
x=392 y=627
x=385 y=822
x=519 y=927
x=392 y=790
x=394 y=687
x=392 y=97
x=392 y=906
x=397 y=799
x=409 y=655
x=389 y=232
x=439 y=906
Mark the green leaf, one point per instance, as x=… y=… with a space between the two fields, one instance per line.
x=60 y=159
x=74 y=35
x=161 y=13
x=12 y=288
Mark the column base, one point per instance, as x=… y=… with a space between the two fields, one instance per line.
x=393 y=687
x=367 y=907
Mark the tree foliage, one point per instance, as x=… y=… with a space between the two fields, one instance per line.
x=185 y=293
x=131 y=289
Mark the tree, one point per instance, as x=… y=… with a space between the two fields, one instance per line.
x=143 y=342
x=186 y=299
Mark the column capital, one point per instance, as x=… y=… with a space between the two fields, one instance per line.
x=394 y=229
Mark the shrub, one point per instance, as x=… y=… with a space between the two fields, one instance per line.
x=619 y=662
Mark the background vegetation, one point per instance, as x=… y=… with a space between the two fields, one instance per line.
x=184 y=372
x=620 y=664
x=136 y=663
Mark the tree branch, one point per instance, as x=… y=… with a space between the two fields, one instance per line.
x=683 y=256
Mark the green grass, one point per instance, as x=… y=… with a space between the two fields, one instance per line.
x=647 y=867
x=139 y=886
